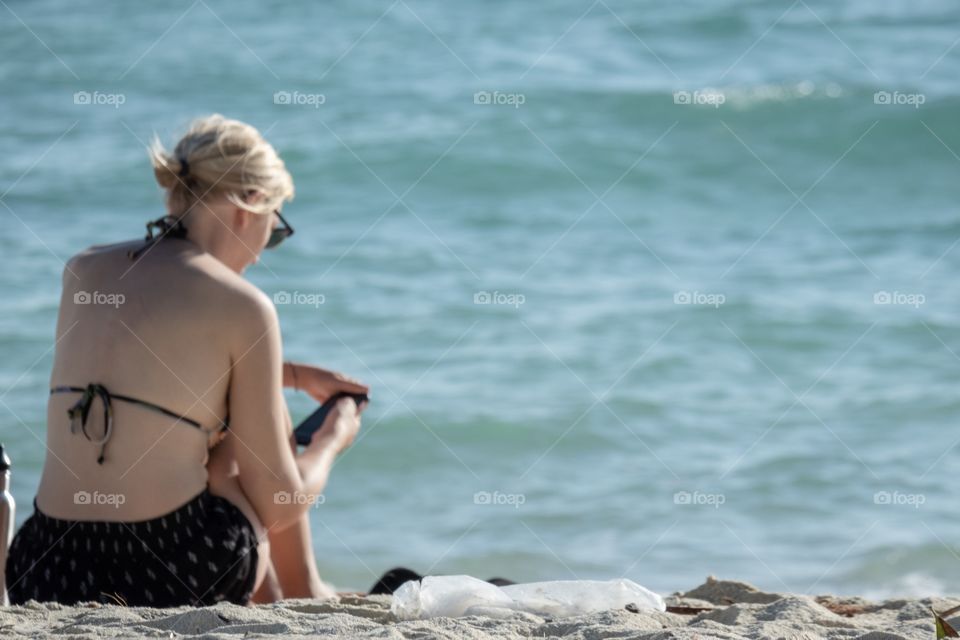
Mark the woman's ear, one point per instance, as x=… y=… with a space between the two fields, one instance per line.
x=241 y=218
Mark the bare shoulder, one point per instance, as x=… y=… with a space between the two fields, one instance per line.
x=108 y=251
x=83 y=259
x=179 y=279
x=239 y=302
x=90 y=258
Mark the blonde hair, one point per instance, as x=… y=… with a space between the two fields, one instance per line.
x=219 y=156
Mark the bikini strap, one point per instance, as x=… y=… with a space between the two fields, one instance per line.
x=165 y=226
x=79 y=412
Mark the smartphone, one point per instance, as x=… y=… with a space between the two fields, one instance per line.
x=305 y=430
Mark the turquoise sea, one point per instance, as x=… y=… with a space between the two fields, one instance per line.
x=649 y=289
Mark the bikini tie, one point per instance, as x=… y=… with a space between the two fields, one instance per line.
x=81 y=410
x=162 y=227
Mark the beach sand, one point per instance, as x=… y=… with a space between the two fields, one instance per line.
x=733 y=610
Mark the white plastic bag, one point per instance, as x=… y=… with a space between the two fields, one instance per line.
x=558 y=599
x=449 y=596
x=452 y=596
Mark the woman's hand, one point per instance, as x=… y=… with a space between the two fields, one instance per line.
x=339 y=428
x=319 y=383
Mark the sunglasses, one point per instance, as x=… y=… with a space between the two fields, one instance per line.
x=279 y=233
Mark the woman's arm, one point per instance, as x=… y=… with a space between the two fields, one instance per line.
x=280 y=485
x=319 y=383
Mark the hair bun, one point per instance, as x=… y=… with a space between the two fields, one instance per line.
x=167 y=169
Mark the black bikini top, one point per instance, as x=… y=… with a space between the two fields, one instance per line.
x=164 y=227
x=78 y=413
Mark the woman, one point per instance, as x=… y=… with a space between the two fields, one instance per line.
x=171 y=477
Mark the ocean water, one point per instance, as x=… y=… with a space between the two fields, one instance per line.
x=723 y=333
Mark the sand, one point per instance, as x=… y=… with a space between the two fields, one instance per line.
x=732 y=610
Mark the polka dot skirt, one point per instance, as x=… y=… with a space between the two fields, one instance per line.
x=202 y=553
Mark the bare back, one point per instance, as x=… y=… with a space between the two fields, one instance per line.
x=158 y=330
